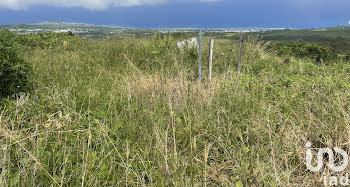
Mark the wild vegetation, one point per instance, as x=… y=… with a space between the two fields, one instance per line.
x=334 y=42
x=14 y=71
x=320 y=54
x=131 y=112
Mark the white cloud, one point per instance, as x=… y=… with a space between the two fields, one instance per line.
x=88 y=4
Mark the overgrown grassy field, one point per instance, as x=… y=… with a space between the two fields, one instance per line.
x=131 y=112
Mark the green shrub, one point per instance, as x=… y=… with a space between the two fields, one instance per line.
x=316 y=52
x=14 y=71
x=48 y=40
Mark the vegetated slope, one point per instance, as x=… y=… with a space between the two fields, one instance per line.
x=311 y=35
x=336 y=39
x=131 y=112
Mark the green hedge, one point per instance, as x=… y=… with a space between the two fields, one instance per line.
x=14 y=71
x=319 y=53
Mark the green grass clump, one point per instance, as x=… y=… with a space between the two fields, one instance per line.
x=130 y=112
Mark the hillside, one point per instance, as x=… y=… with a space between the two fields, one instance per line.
x=312 y=35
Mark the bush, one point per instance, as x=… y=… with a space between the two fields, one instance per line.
x=316 y=52
x=14 y=71
x=49 y=40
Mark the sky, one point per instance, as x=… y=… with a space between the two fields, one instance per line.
x=181 y=13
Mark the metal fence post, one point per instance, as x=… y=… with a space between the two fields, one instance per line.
x=200 y=57
x=240 y=53
x=211 y=57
